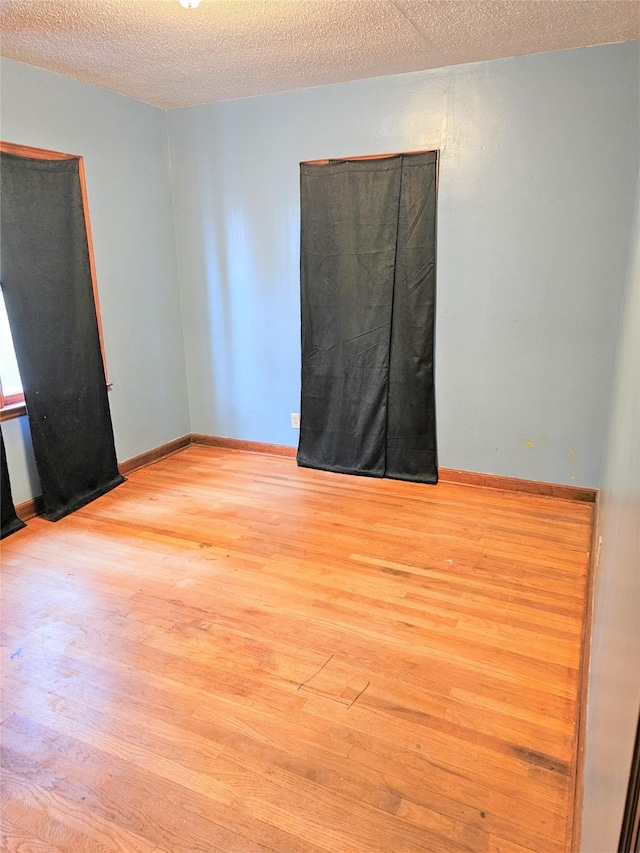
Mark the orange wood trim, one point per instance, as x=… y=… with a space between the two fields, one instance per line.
x=12 y=399
x=326 y=161
x=30 y=509
x=45 y=154
x=12 y=410
x=34 y=153
x=514 y=484
x=577 y=797
x=92 y=264
x=446 y=475
x=154 y=455
x=245 y=446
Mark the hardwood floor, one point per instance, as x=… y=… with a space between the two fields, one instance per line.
x=229 y=653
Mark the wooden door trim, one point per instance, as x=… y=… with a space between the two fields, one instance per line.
x=577 y=796
x=326 y=160
x=45 y=154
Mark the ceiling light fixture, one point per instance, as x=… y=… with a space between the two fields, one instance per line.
x=189 y=4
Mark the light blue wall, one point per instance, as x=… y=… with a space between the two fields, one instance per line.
x=614 y=677
x=537 y=179
x=124 y=145
x=538 y=168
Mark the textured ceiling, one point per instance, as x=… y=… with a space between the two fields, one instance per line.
x=158 y=52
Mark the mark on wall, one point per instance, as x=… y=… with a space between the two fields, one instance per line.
x=541 y=439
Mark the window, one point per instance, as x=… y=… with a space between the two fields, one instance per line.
x=10 y=382
x=12 y=403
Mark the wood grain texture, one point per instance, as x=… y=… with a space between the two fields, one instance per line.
x=515 y=484
x=155 y=455
x=583 y=687
x=241 y=444
x=447 y=475
x=325 y=161
x=231 y=653
x=12 y=410
x=30 y=509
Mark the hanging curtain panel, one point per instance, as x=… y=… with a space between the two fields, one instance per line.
x=411 y=411
x=9 y=521
x=47 y=285
x=348 y=247
x=367 y=264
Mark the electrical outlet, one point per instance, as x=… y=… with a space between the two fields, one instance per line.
x=295 y=420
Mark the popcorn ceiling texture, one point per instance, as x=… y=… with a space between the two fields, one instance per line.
x=160 y=53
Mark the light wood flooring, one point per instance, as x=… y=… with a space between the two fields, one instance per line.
x=229 y=653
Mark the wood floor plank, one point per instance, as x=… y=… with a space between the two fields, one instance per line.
x=57 y=823
x=230 y=653
x=14 y=839
x=161 y=810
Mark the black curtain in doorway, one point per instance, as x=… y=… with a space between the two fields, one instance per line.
x=48 y=291
x=9 y=521
x=367 y=262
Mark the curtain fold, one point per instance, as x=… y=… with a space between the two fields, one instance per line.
x=345 y=328
x=367 y=278
x=47 y=285
x=9 y=521
x=411 y=426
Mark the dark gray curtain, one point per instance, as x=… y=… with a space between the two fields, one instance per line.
x=367 y=263
x=46 y=281
x=9 y=521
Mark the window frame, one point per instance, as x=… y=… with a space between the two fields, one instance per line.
x=13 y=406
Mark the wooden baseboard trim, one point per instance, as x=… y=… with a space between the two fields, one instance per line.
x=245 y=446
x=30 y=509
x=446 y=475
x=583 y=685
x=153 y=455
x=513 y=484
